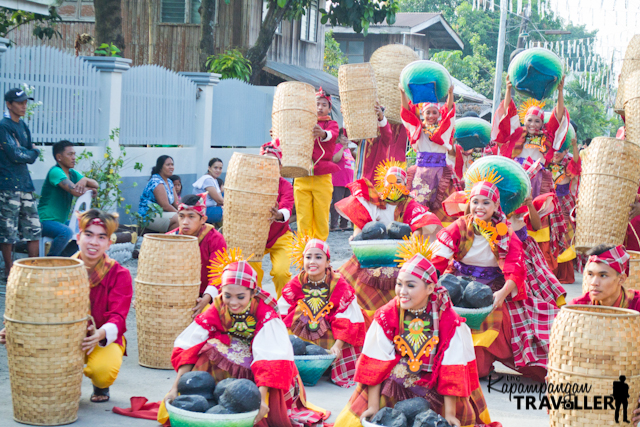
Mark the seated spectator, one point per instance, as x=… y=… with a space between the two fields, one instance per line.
x=208 y=183
x=163 y=195
x=177 y=184
x=192 y=219
x=61 y=185
x=344 y=159
x=221 y=184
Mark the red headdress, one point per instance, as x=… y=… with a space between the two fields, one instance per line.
x=200 y=207
x=272 y=147
x=317 y=244
x=322 y=94
x=616 y=258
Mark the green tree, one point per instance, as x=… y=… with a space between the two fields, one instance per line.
x=357 y=14
x=45 y=26
x=333 y=56
x=588 y=113
x=231 y=64
x=475 y=70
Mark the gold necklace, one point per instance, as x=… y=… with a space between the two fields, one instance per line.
x=418 y=311
x=319 y=281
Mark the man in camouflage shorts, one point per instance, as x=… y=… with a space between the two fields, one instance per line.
x=19 y=219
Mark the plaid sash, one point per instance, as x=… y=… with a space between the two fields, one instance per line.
x=100 y=270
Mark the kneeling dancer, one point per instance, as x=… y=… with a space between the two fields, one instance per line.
x=319 y=306
x=417 y=346
x=110 y=298
x=241 y=335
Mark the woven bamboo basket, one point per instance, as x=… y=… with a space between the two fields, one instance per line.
x=632 y=282
x=47 y=308
x=251 y=190
x=358 y=96
x=630 y=64
x=632 y=107
x=169 y=259
x=388 y=62
x=166 y=286
x=293 y=118
x=593 y=346
x=163 y=311
x=608 y=186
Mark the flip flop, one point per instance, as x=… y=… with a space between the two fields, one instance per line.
x=99 y=394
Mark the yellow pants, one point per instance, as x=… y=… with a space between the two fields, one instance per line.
x=280 y=254
x=103 y=364
x=313 y=201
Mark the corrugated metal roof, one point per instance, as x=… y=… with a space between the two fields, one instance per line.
x=316 y=78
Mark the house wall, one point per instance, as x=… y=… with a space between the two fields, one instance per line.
x=373 y=41
x=177 y=46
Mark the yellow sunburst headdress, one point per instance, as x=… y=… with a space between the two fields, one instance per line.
x=524 y=106
x=222 y=259
x=390 y=179
x=414 y=257
x=475 y=176
x=300 y=241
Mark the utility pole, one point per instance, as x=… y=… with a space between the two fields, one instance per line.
x=523 y=29
x=497 y=87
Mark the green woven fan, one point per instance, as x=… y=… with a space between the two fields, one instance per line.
x=472 y=132
x=535 y=73
x=425 y=81
x=515 y=185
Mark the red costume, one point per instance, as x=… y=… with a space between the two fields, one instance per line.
x=390 y=144
x=285 y=202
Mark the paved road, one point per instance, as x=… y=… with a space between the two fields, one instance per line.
x=135 y=380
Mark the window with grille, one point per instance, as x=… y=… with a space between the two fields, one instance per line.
x=265 y=9
x=354 y=50
x=180 y=11
x=309 y=23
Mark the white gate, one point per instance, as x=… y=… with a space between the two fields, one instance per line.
x=67 y=87
x=158 y=107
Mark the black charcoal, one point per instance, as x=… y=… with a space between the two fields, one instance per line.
x=191 y=402
x=478 y=295
x=299 y=346
x=398 y=230
x=412 y=407
x=389 y=417
x=316 y=350
x=374 y=230
x=452 y=284
x=241 y=396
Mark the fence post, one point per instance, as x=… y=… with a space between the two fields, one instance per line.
x=110 y=101
x=204 y=114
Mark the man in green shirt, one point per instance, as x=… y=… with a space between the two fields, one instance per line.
x=59 y=188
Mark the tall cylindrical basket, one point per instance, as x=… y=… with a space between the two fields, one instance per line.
x=630 y=64
x=47 y=309
x=608 y=187
x=388 y=62
x=293 y=118
x=632 y=107
x=358 y=96
x=166 y=288
x=593 y=346
x=251 y=190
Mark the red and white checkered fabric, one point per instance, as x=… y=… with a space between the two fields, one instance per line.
x=486 y=189
x=399 y=174
x=421 y=268
x=343 y=369
x=239 y=273
x=535 y=111
x=272 y=147
x=318 y=244
x=200 y=207
x=426 y=105
x=616 y=258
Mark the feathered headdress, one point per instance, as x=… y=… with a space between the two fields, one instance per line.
x=525 y=105
x=415 y=258
x=476 y=176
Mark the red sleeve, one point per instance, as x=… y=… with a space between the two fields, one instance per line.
x=370 y=371
x=412 y=123
x=180 y=357
x=292 y=293
x=285 y=195
x=274 y=373
x=417 y=216
x=119 y=300
x=459 y=164
x=343 y=329
x=386 y=136
x=445 y=124
x=513 y=269
x=350 y=207
x=574 y=168
x=504 y=126
x=332 y=126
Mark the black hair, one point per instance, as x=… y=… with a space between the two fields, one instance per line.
x=599 y=249
x=587 y=141
x=159 y=164
x=175 y=178
x=214 y=160
x=59 y=147
x=575 y=126
x=190 y=199
x=220 y=181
